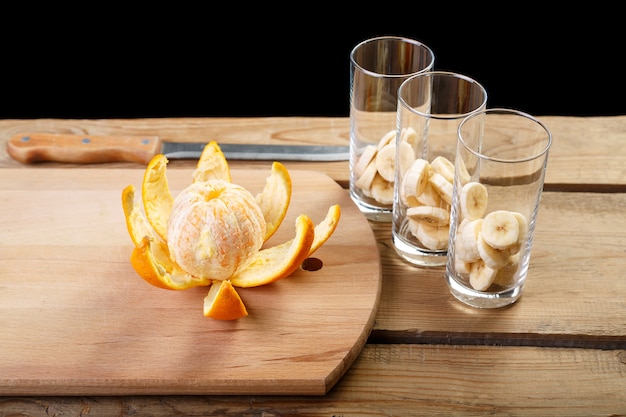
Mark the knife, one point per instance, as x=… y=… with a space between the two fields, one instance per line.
x=90 y=149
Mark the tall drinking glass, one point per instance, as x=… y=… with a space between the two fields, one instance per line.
x=377 y=68
x=504 y=153
x=431 y=106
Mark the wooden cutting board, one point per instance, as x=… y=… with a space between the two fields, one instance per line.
x=77 y=320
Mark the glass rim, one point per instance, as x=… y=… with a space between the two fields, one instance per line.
x=403 y=39
x=450 y=74
x=503 y=110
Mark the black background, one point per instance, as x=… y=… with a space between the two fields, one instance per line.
x=279 y=62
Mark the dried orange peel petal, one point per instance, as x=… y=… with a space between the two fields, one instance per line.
x=157 y=199
x=223 y=302
x=151 y=261
x=275 y=198
x=326 y=227
x=136 y=222
x=275 y=263
x=212 y=165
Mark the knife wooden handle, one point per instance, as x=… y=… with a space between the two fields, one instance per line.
x=82 y=149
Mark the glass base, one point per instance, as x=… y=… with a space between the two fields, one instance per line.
x=416 y=256
x=374 y=213
x=481 y=299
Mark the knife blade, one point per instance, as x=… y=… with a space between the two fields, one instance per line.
x=90 y=149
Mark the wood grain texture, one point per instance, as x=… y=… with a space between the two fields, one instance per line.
x=271 y=130
x=560 y=350
x=404 y=380
x=575 y=288
x=78 y=320
x=587 y=153
x=82 y=149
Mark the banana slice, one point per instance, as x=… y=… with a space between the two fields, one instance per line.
x=473 y=199
x=523 y=226
x=364 y=182
x=506 y=274
x=481 y=276
x=408 y=135
x=493 y=258
x=500 y=229
x=443 y=166
x=386 y=161
x=430 y=197
x=428 y=214
x=523 y=233
x=461 y=227
x=432 y=237
x=386 y=139
x=406 y=156
x=381 y=190
x=468 y=241
x=442 y=186
x=368 y=155
x=415 y=179
x=462 y=267
x=409 y=201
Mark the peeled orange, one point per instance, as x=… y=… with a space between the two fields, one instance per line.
x=214 y=228
x=212 y=233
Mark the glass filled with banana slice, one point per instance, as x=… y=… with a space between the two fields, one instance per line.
x=500 y=168
x=431 y=106
x=377 y=68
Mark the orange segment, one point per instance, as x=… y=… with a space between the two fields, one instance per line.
x=326 y=228
x=151 y=261
x=223 y=302
x=275 y=263
x=275 y=198
x=212 y=164
x=157 y=199
x=136 y=222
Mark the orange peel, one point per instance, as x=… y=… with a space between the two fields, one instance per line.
x=156 y=195
x=325 y=229
x=223 y=302
x=275 y=263
x=136 y=222
x=212 y=165
x=275 y=198
x=151 y=261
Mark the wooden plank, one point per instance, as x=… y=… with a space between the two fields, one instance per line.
x=77 y=320
x=574 y=292
x=405 y=380
x=278 y=130
x=587 y=151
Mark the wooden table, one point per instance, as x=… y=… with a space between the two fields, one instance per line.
x=561 y=350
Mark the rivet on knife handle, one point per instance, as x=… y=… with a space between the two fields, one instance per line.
x=82 y=149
